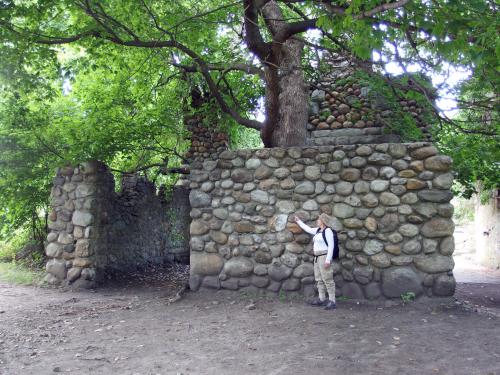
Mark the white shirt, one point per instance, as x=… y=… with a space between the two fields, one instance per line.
x=319 y=245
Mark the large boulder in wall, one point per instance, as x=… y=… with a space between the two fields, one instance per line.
x=400 y=280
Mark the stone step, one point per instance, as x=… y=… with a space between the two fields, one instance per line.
x=348 y=132
x=356 y=139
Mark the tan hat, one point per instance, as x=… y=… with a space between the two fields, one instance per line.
x=325 y=219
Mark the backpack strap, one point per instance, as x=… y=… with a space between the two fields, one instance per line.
x=324 y=235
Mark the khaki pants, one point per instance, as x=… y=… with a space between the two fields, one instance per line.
x=324 y=278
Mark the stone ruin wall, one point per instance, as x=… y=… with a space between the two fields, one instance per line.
x=349 y=113
x=205 y=141
x=96 y=232
x=390 y=204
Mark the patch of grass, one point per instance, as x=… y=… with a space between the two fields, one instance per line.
x=464 y=211
x=408 y=297
x=342 y=298
x=17 y=274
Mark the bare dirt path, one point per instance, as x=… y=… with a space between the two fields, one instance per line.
x=467 y=270
x=137 y=331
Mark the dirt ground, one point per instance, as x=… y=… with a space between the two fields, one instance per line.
x=139 y=330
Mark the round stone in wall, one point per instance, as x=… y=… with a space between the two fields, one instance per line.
x=310 y=205
x=82 y=218
x=373 y=247
x=447 y=246
x=278 y=271
x=252 y=163
x=286 y=207
x=238 y=267
x=381 y=260
x=51 y=237
x=343 y=211
x=387 y=172
x=289 y=260
x=198 y=227
x=397 y=150
x=438 y=163
x=312 y=173
x=378 y=158
x=196 y=244
x=242 y=175
x=412 y=247
x=361 y=187
x=197 y=198
x=263 y=172
x=438 y=227
x=349 y=174
x=260 y=196
x=395 y=237
x=279 y=222
x=281 y=173
x=305 y=187
x=378 y=186
x=435 y=195
x=358 y=162
x=400 y=280
x=424 y=152
x=370 y=200
x=57 y=268
x=444 y=285
x=304 y=270
x=54 y=250
x=364 y=150
x=389 y=199
x=205 y=264
x=291 y=284
x=263 y=257
x=343 y=188
x=344 y=108
x=443 y=181
x=434 y=263
x=408 y=230
x=369 y=173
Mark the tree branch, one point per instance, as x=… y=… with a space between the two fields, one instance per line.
x=253 y=36
x=246 y=68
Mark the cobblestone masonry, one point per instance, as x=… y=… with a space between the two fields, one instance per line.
x=95 y=232
x=350 y=113
x=389 y=202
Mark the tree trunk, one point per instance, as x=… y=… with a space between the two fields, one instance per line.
x=286 y=90
x=290 y=129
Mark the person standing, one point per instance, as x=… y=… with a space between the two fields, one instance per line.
x=323 y=253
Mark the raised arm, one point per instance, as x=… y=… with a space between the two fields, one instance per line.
x=305 y=227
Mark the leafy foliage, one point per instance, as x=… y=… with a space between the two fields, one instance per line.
x=475 y=160
x=111 y=80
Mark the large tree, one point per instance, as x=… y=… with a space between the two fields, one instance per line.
x=268 y=39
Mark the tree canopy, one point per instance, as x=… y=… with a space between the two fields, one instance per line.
x=110 y=79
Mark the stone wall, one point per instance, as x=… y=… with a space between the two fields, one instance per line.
x=389 y=202
x=205 y=141
x=345 y=111
x=96 y=232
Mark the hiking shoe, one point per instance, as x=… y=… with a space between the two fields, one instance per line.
x=318 y=302
x=330 y=305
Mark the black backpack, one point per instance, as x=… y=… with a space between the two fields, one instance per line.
x=336 y=241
